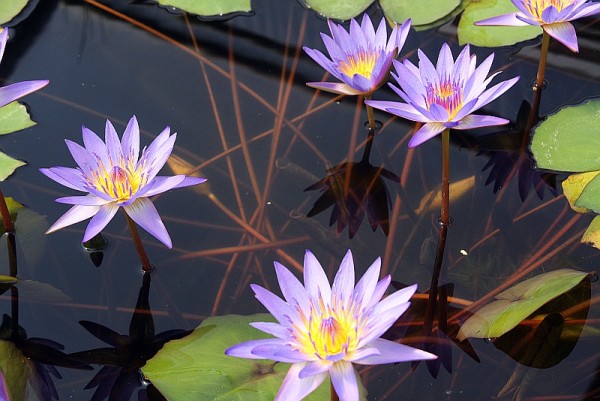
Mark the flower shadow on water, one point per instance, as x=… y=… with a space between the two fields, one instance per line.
x=365 y=193
x=355 y=189
x=121 y=376
x=509 y=156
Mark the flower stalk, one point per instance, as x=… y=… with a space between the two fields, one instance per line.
x=137 y=241
x=6 y=220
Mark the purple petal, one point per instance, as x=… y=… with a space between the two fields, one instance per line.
x=293 y=291
x=549 y=14
x=315 y=367
x=295 y=388
x=131 y=140
x=244 y=350
x=3 y=40
x=343 y=283
x=82 y=157
x=315 y=279
x=587 y=10
x=366 y=285
x=502 y=20
x=400 y=109
x=395 y=300
x=69 y=177
x=368 y=30
x=343 y=379
x=281 y=351
x=100 y=220
x=380 y=289
x=3 y=387
x=335 y=87
x=426 y=132
x=275 y=329
x=361 y=83
x=93 y=144
x=74 y=215
x=564 y=32
x=17 y=90
x=392 y=352
x=402 y=34
x=113 y=144
x=445 y=62
x=427 y=70
x=143 y=212
x=86 y=200
x=494 y=92
x=322 y=60
x=478 y=121
x=159 y=185
x=280 y=310
x=158 y=153
x=474 y=84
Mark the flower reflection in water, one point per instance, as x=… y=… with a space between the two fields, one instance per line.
x=121 y=376
x=355 y=189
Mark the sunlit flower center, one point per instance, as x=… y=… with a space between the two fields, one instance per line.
x=537 y=7
x=361 y=63
x=447 y=94
x=328 y=330
x=120 y=182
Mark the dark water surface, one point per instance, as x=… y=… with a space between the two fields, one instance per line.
x=245 y=117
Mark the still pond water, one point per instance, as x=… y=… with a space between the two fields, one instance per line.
x=235 y=93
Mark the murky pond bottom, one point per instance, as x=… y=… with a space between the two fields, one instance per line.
x=235 y=93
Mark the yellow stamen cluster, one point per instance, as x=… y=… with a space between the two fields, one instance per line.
x=537 y=7
x=361 y=63
x=329 y=330
x=447 y=94
x=121 y=181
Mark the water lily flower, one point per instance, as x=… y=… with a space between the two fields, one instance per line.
x=322 y=330
x=444 y=96
x=114 y=175
x=360 y=58
x=17 y=90
x=552 y=15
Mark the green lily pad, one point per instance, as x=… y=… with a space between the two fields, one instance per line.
x=518 y=302
x=196 y=367
x=14 y=117
x=590 y=196
x=569 y=140
x=8 y=165
x=209 y=8
x=338 y=9
x=10 y=9
x=16 y=369
x=592 y=234
x=492 y=36
x=574 y=185
x=421 y=12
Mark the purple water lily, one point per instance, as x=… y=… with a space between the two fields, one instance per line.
x=115 y=175
x=360 y=58
x=552 y=15
x=17 y=90
x=322 y=330
x=445 y=95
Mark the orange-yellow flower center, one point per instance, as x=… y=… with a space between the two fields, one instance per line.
x=119 y=182
x=328 y=331
x=537 y=7
x=361 y=63
x=447 y=94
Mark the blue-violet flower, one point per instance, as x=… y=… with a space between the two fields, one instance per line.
x=322 y=330
x=114 y=175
